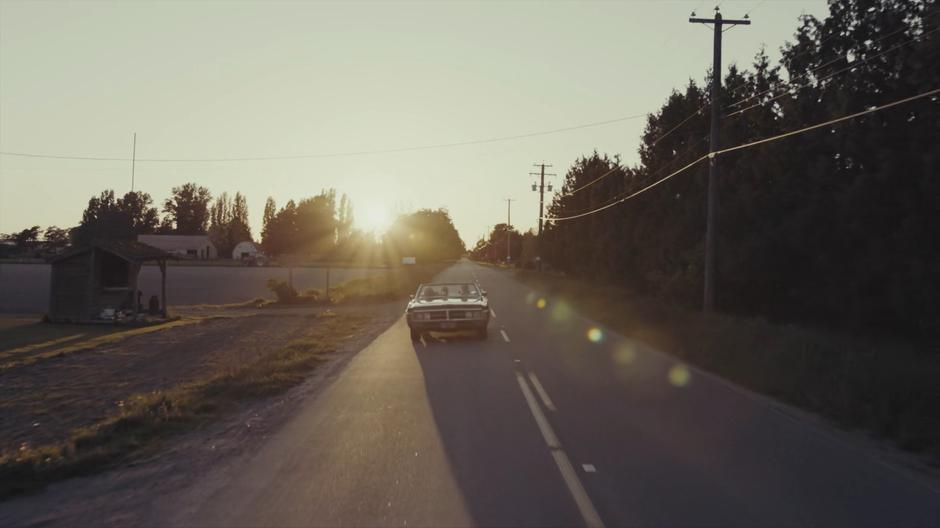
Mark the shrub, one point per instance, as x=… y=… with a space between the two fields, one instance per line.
x=285 y=292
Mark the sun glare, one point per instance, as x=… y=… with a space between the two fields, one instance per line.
x=374 y=219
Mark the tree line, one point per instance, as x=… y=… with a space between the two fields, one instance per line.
x=319 y=227
x=827 y=227
x=836 y=226
x=190 y=210
x=505 y=244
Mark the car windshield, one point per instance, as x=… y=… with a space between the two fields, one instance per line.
x=449 y=291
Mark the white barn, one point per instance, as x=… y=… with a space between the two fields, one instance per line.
x=246 y=250
x=185 y=246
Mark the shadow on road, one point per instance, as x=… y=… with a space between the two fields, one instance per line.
x=497 y=455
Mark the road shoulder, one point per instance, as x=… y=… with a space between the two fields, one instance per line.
x=124 y=495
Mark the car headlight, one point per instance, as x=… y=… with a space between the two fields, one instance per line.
x=477 y=314
x=420 y=316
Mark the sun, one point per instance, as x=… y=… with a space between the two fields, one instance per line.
x=375 y=219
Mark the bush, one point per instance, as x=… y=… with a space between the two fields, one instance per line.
x=285 y=292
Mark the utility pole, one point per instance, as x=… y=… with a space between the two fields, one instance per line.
x=711 y=207
x=541 y=190
x=509 y=202
x=133 y=161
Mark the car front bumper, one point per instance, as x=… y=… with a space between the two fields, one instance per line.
x=448 y=326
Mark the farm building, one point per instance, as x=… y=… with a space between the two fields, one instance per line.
x=184 y=246
x=99 y=281
x=246 y=250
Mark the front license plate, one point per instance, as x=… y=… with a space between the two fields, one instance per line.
x=448 y=325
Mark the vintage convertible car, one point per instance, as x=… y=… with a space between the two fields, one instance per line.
x=448 y=307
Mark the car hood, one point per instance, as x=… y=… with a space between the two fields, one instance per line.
x=431 y=304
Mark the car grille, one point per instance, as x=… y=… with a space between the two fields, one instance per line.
x=449 y=315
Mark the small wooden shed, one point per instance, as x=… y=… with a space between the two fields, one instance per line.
x=90 y=279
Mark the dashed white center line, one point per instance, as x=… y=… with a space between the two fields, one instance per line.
x=493 y=313
x=591 y=518
x=589 y=468
x=541 y=391
x=505 y=336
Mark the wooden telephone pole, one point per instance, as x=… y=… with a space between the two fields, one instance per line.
x=541 y=190
x=509 y=202
x=712 y=194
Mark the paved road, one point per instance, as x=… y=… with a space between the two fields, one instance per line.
x=548 y=422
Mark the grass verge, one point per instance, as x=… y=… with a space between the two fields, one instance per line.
x=147 y=419
x=888 y=388
x=389 y=285
x=394 y=284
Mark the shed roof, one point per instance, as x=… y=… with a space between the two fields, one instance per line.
x=129 y=250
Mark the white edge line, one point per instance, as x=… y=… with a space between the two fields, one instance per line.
x=578 y=493
x=506 y=337
x=493 y=313
x=541 y=392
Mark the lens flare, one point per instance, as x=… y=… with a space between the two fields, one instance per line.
x=595 y=335
x=561 y=312
x=625 y=354
x=679 y=375
x=540 y=303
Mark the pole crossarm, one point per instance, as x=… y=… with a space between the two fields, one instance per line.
x=719 y=20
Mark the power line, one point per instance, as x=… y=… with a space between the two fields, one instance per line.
x=923 y=15
x=625 y=198
x=750 y=144
x=618 y=167
x=595 y=180
x=337 y=154
x=648 y=177
x=684 y=121
x=790 y=84
x=784 y=83
x=830 y=122
x=817 y=48
x=751 y=10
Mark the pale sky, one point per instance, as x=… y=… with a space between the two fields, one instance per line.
x=222 y=79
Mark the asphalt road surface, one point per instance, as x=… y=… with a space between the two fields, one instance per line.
x=550 y=421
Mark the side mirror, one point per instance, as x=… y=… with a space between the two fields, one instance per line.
x=411 y=296
x=483 y=292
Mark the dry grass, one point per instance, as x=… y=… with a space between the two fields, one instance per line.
x=147 y=419
x=38 y=341
x=257 y=302
x=18 y=332
x=889 y=388
x=393 y=284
